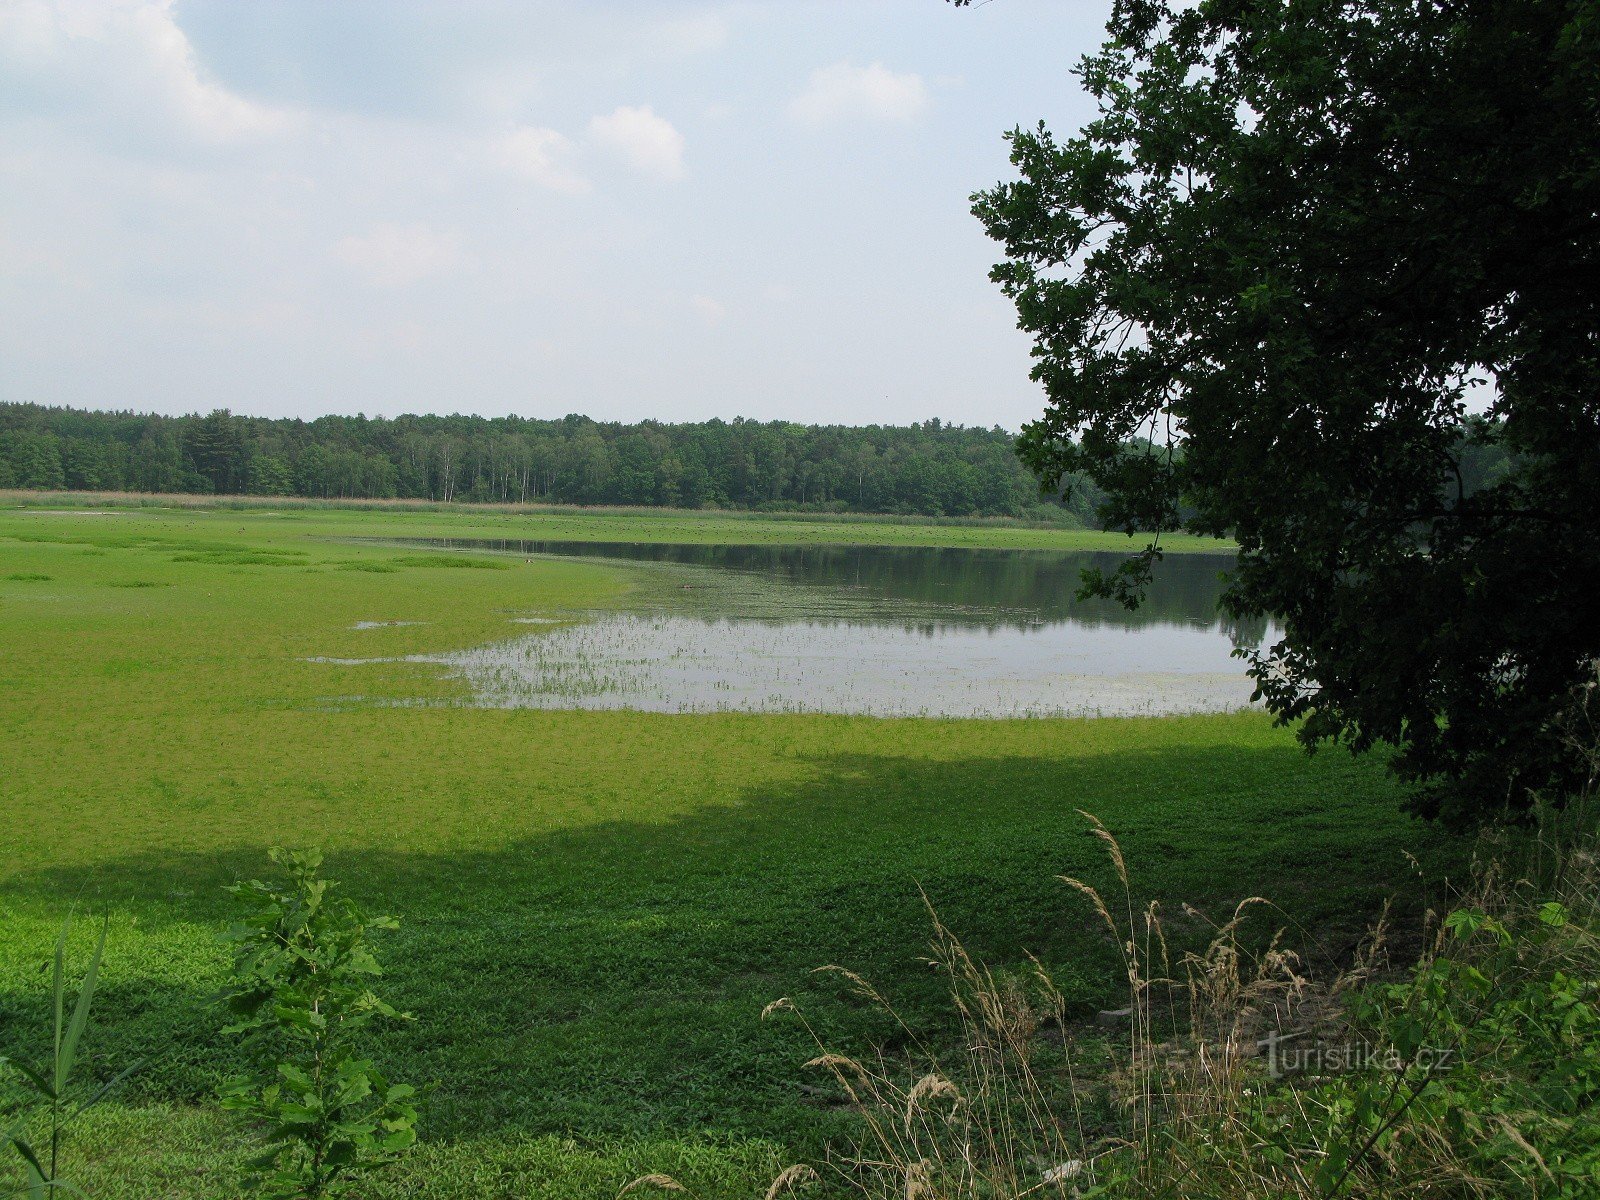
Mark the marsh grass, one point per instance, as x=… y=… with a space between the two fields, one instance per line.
x=450 y=560
x=601 y=523
x=1486 y=1080
x=596 y=904
x=253 y=503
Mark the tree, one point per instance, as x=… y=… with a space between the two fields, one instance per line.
x=35 y=459
x=270 y=476
x=1300 y=245
x=476 y=459
x=216 y=451
x=84 y=465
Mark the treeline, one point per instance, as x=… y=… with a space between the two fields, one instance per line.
x=927 y=469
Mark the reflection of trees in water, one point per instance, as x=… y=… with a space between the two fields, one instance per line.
x=1249 y=632
x=1017 y=589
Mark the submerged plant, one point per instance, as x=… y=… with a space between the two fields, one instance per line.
x=49 y=1087
x=301 y=992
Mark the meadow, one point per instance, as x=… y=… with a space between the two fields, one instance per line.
x=595 y=906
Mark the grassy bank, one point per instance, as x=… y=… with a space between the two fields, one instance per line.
x=595 y=906
x=415 y=518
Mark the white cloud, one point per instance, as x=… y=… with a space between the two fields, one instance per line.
x=122 y=62
x=846 y=92
x=174 y=179
x=394 y=254
x=710 y=311
x=538 y=155
x=698 y=33
x=647 y=143
x=536 y=63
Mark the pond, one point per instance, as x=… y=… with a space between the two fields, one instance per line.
x=883 y=631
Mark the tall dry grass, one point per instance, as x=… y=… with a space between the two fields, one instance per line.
x=1476 y=1074
x=1187 y=1105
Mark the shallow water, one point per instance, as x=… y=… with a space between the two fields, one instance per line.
x=893 y=584
x=885 y=631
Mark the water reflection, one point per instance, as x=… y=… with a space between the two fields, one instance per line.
x=885 y=631
x=941 y=585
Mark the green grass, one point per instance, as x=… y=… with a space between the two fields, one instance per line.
x=417 y=519
x=596 y=905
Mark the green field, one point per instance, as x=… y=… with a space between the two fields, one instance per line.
x=596 y=906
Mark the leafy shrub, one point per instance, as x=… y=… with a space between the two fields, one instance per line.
x=1514 y=1002
x=301 y=992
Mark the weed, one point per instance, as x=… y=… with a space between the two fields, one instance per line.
x=51 y=1086
x=451 y=560
x=243 y=558
x=302 y=967
x=1474 y=1074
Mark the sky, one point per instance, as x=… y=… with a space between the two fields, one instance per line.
x=630 y=209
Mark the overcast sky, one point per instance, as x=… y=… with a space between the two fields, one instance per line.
x=638 y=208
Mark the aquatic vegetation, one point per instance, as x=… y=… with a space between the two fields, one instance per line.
x=244 y=558
x=908 y=631
x=595 y=905
x=661 y=662
x=450 y=560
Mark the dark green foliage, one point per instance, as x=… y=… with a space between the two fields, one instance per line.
x=30 y=457
x=450 y=560
x=243 y=558
x=1516 y=1012
x=300 y=989
x=930 y=469
x=1269 y=284
x=1488 y=1058
x=52 y=1100
x=215 y=450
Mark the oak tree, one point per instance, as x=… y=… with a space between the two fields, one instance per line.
x=1310 y=258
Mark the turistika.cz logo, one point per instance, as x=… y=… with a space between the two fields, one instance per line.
x=1287 y=1054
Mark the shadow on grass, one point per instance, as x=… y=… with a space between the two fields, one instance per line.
x=608 y=980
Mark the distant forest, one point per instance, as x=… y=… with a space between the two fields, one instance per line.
x=929 y=469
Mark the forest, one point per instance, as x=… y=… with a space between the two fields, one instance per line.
x=931 y=469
